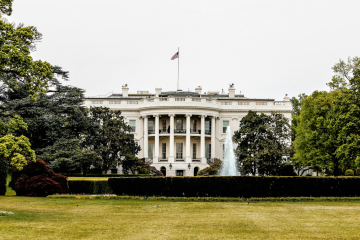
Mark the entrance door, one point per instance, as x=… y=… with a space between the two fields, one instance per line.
x=179 y=173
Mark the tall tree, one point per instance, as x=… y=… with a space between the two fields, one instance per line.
x=263 y=143
x=113 y=138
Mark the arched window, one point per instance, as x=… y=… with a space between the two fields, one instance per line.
x=163 y=170
x=196 y=169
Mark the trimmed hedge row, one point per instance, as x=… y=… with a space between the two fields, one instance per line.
x=104 y=175
x=89 y=187
x=241 y=186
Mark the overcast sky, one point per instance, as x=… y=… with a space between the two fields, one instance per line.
x=266 y=48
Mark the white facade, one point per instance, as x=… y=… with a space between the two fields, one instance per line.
x=183 y=131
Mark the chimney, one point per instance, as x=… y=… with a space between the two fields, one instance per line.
x=232 y=91
x=198 y=89
x=125 y=90
x=158 y=91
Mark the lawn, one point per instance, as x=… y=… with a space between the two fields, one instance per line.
x=56 y=218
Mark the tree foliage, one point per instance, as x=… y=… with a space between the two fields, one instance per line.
x=263 y=143
x=112 y=141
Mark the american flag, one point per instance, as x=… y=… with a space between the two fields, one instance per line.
x=176 y=55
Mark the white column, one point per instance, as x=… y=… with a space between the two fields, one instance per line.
x=171 y=147
x=156 y=157
x=202 y=139
x=146 y=138
x=188 y=155
x=213 y=137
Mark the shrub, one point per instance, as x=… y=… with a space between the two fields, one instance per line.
x=358 y=171
x=89 y=187
x=21 y=185
x=215 y=166
x=239 y=186
x=349 y=172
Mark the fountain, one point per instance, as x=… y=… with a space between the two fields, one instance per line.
x=228 y=166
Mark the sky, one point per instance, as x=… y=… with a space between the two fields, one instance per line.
x=266 y=48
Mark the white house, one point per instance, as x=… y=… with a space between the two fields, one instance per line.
x=182 y=131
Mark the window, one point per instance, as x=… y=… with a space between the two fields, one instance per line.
x=163 y=150
x=132 y=102
x=133 y=125
x=261 y=103
x=114 y=102
x=225 y=124
x=225 y=103
x=243 y=103
x=179 y=151
x=163 y=125
x=179 y=124
x=179 y=173
x=194 y=125
x=151 y=150
x=194 y=151
x=207 y=127
x=208 y=151
x=96 y=102
x=180 y=99
x=163 y=99
x=151 y=125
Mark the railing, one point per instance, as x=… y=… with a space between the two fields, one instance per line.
x=163 y=159
x=179 y=160
x=179 y=131
x=180 y=99
x=211 y=161
x=196 y=160
x=194 y=131
x=151 y=131
x=164 y=131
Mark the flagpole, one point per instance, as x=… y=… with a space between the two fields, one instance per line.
x=178 y=67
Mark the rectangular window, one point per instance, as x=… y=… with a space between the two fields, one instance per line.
x=163 y=151
x=179 y=173
x=194 y=151
x=207 y=127
x=261 y=103
x=179 y=124
x=225 y=124
x=208 y=151
x=243 y=103
x=163 y=99
x=179 y=151
x=151 y=125
x=164 y=125
x=114 y=102
x=133 y=125
x=151 y=150
x=194 y=126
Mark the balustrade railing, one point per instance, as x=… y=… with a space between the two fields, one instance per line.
x=196 y=160
x=179 y=130
x=163 y=159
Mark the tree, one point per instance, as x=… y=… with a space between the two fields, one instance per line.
x=112 y=139
x=343 y=73
x=14 y=149
x=16 y=64
x=263 y=143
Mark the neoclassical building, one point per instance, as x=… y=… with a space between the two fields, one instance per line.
x=183 y=131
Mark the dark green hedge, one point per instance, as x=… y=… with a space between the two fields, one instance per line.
x=89 y=187
x=104 y=175
x=242 y=186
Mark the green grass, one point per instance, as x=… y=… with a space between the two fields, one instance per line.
x=9 y=190
x=68 y=218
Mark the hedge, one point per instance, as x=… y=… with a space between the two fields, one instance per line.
x=89 y=187
x=104 y=175
x=240 y=186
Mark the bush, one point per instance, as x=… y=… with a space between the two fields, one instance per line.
x=358 y=171
x=24 y=183
x=349 y=172
x=89 y=187
x=240 y=186
x=105 y=175
x=209 y=170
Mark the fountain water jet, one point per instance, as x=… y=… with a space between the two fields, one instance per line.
x=228 y=166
